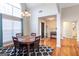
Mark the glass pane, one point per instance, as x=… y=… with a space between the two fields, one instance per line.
x=6 y=9
x=16 y=5
x=10 y=28
x=16 y=27
x=11 y=9
x=16 y=12
x=7 y=30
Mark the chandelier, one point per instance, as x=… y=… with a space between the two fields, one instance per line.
x=25 y=13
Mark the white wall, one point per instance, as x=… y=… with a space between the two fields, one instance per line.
x=67 y=29
x=51 y=27
x=71 y=14
x=48 y=9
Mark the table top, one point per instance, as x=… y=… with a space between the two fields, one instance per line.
x=26 y=39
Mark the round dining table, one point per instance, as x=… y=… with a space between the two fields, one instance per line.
x=27 y=40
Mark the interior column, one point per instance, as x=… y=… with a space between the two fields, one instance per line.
x=58 y=44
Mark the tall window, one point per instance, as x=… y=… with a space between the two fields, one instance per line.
x=10 y=28
x=11 y=20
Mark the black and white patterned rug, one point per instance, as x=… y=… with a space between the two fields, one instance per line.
x=43 y=51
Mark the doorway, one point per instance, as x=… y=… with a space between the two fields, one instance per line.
x=42 y=29
x=47 y=25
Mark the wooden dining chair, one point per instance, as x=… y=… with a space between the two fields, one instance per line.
x=18 y=34
x=36 y=43
x=18 y=45
x=33 y=34
x=32 y=44
x=32 y=47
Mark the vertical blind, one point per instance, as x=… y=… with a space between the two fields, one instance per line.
x=10 y=28
x=10 y=21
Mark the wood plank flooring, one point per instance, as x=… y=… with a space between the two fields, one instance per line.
x=69 y=47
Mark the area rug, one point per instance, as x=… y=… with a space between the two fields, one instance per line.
x=43 y=51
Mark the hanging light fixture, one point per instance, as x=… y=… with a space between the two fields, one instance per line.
x=26 y=13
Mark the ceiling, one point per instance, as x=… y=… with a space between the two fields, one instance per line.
x=35 y=5
x=62 y=5
x=65 y=5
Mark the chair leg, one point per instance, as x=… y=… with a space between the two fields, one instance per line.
x=15 y=50
x=33 y=49
x=20 y=48
x=38 y=49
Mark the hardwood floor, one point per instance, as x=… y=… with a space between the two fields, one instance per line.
x=69 y=47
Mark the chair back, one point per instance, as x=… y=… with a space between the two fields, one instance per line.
x=15 y=41
x=33 y=34
x=18 y=34
x=37 y=41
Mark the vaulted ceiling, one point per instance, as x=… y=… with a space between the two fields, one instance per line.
x=65 y=5
x=36 y=5
x=62 y=5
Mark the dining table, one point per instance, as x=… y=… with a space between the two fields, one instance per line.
x=27 y=40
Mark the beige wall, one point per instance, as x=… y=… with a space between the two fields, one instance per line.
x=51 y=27
x=26 y=25
x=68 y=31
x=71 y=14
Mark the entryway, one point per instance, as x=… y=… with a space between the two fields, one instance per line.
x=47 y=26
x=47 y=30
